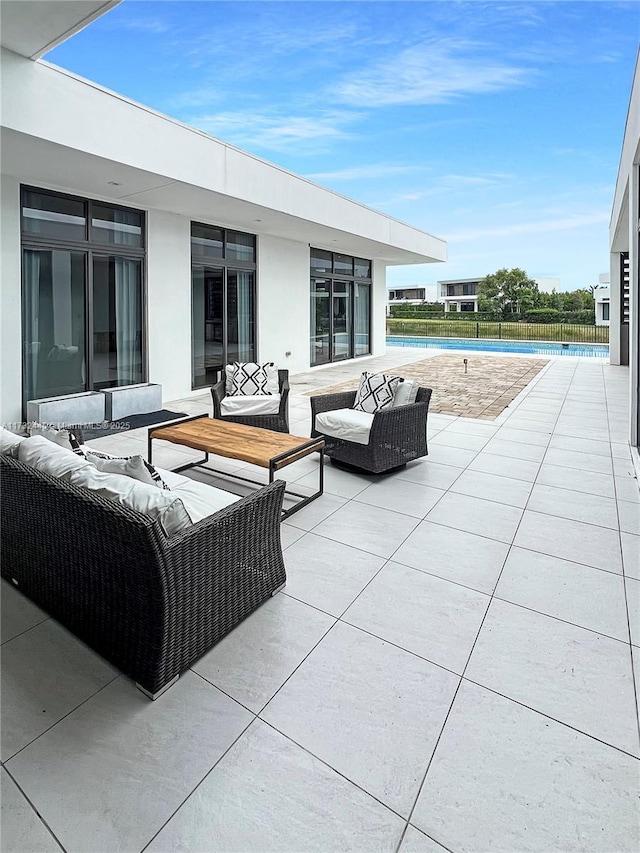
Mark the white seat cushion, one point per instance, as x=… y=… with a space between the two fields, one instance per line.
x=200 y=499
x=347 y=424
x=258 y=404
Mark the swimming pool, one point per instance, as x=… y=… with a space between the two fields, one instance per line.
x=488 y=345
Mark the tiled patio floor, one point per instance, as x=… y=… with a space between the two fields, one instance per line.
x=450 y=667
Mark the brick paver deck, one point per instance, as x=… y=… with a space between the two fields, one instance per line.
x=487 y=387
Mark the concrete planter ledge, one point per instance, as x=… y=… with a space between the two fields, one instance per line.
x=83 y=408
x=127 y=400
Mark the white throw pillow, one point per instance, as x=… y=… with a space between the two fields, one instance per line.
x=9 y=442
x=61 y=436
x=347 y=424
x=155 y=503
x=376 y=392
x=406 y=393
x=251 y=378
x=51 y=458
x=128 y=466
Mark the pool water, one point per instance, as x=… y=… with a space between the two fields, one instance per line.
x=486 y=345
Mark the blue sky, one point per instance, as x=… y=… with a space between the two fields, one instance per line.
x=494 y=125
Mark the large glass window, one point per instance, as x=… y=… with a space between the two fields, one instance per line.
x=83 y=295
x=340 y=307
x=223 y=300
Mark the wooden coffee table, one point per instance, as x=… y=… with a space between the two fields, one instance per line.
x=263 y=447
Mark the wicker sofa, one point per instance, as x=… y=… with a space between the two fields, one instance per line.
x=398 y=435
x=150 y=604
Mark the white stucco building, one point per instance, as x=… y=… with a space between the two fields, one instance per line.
x=624 y=321
x=138 y=249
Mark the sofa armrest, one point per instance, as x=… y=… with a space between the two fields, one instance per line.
x=284 y=397
x=218 y=393
x=330 y=402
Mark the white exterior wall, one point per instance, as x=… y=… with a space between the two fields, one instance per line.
x=602 y=299
x=10 y=305
x=283 y=302
x=378 y=308
x=169 y=302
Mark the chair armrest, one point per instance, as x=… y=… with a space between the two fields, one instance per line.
x=399 y=420
x=284 y=396
x=218 y=393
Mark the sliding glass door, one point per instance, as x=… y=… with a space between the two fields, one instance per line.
x=117 y=321
x=82 y=295
x=223 y=301
x=340 y=307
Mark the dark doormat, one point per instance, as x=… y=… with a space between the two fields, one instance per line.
x=100 y=430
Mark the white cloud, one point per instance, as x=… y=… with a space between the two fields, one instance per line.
x=544 y=226
x=434 y=72
x=376 y=170
x=276 y=132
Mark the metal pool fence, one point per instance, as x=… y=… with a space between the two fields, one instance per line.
x=565 y=332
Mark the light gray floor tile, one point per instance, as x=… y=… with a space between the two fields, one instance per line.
x=22 y=829
x=579 y=506
x=570 y=540
x=319 y=509
x=599 y=431
x=465 y=558
x=455 y=456
x=109 y=775
x=620 y=450
x=629 y=514
x=345 y=484
x=374 y=530
x=514 y=450
x=328 y=574
x=583 y=461
x=505 y=466
x=268 y=794
x=371 y=711
x=627 y=489
x=18 y=613
x=471 y=426
x=520 y=421
x=401 y=496
x=633 y=603
x=462 y=440
x=579 y=594
x=253 y=661
x=579 y=481
x=566 y=672
x=528 y=784
x=492 y=487
x=540 y=439
x=532 y=416
x=415 y=841
x=631 y=554
x=427 y=615
x=429 y=473
x=46 y=672
x=289 y=535
x=623 y=467
x=581 y=445
x=475 y=515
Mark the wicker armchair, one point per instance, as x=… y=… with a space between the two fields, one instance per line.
x=398 y=435
x=277 y=422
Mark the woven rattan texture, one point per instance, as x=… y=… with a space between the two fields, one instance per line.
x=149 y=604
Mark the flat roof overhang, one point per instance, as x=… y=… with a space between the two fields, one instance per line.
x=32 y=27
x=62 y=132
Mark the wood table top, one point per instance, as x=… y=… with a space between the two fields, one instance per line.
x=237 y=441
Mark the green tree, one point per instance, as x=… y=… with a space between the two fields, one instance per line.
x=508 y=292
